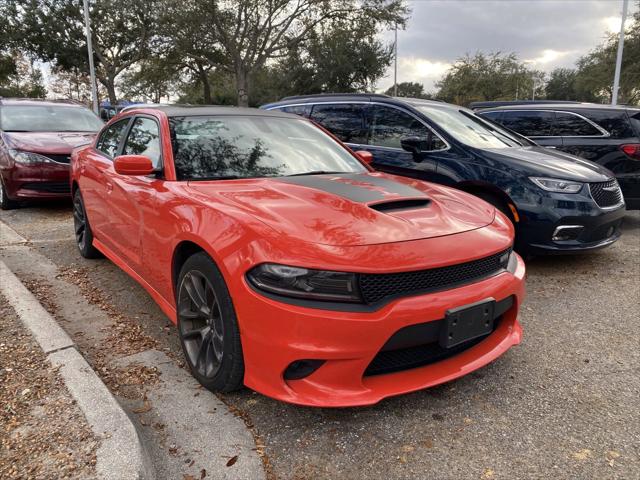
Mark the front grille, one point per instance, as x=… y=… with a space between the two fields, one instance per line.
x=377 y=287
x=606 y=194
x=413 y=357
x=59 y=158
x=48 y=187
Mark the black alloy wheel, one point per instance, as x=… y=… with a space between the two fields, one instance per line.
x=207 y=325
x=82 y=229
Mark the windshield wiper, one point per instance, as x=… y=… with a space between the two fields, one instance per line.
x=314 y=172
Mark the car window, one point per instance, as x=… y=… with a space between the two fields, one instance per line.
x=469 y=128
x=112 y=136
x=569 y=125
x=144 y=139
x=48 y=118
x=302 y=110
x=494 y=116
x=345 y=121
x=529 y=123
x=211 y=147
x=614 y=121
x=635 y=121
x=389 y=125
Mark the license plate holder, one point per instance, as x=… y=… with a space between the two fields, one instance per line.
x=467 y=322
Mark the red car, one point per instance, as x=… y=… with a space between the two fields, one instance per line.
x=288 y=264
x=36 y=139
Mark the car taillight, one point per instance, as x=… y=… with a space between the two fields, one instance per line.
x=632 y=150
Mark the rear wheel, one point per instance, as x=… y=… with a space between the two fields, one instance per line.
x=207 y=326
x=5 y=202
x=84 y=235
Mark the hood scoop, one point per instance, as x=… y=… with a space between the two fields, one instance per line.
x=400 y=205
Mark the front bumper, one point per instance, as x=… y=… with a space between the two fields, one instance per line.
x=275 y=334
x=539 y=222
x=40 y=181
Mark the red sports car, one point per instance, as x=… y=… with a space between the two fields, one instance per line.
x=36 y=139
x=288 y=264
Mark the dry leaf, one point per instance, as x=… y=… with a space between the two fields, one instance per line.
x=232 y=461
x=488 y=474
x=582 y=454
x=203 y=473
x=144 y=408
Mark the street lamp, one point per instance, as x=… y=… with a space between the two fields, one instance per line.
x=616 y=76
x=92 y=71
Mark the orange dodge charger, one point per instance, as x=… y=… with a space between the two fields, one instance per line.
x=288 y=265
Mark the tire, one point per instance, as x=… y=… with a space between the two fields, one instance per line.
x=207 y=326
x=82 y=229
x=5 y=202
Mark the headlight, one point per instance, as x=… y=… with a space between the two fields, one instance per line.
x=305 y=283
x=557 y=185
x=28 y=158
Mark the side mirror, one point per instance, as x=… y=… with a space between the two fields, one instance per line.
x=133 y=165
x=366 y=157
x=416 y=144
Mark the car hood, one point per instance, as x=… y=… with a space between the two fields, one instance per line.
x=352 y=209
x=545 y=162
x=47 y=142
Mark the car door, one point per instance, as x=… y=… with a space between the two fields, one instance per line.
x=131 y=197
x=534 y=124
x=388 y=127
x=93 y=178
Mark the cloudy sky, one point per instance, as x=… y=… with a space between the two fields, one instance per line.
x=548 y=33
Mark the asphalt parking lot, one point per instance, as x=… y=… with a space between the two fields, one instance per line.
x=563 y=404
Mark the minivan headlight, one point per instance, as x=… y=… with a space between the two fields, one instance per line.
x=557 y=185
x=305 y=283
x=28 y=158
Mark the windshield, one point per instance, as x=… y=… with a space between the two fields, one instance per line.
x=210 y=147
x=48 y=118
x=470 y=129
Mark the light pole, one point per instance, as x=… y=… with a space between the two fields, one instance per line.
x=92 y=71
x=616 y=76
x=395 y=64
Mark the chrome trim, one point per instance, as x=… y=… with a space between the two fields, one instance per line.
x=362 y=102
x=604 y=132
x=562 y=228
x=612 y=207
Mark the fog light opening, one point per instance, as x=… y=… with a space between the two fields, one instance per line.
x=302 y=368
x=566 y=232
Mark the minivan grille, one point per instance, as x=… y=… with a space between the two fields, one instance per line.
x=376 y=287
x=606 y=194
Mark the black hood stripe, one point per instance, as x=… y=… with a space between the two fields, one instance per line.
x=357 y=187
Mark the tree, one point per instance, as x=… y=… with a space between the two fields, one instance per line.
x=410 y=90
x=152 y=79
x=596 y=69
x=22 y=79
x=251 y=34
x=492 y=76
x=54 y=31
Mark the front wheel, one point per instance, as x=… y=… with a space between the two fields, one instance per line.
x=84 y=235
x=5 y=202
x=208 y=327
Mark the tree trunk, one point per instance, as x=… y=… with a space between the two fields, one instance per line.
x=242 y=86
x=110 y=85
x=206 y=86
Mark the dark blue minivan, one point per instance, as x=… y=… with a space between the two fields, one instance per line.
x=559 y=203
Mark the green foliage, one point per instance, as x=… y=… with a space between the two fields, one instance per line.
x=410 y=90
x=492 y=76
x=21 y=78
x=596 y=70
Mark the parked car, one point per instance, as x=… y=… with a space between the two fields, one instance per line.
x=603 y=134
x=288 y=265
x=558 y=202
x=36 y=139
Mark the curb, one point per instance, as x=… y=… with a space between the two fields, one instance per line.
x=121 y=454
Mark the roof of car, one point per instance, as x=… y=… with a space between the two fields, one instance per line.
x=562 y=106
x=201 y=110
x=358 y=97
x=40 y=101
